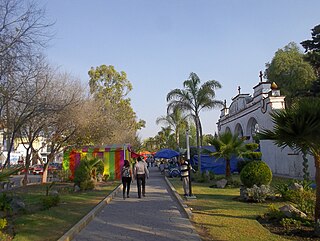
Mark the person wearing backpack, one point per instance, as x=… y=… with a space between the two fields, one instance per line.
x=126 y=174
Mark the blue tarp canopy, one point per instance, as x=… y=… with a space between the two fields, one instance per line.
x=166 y=153
x=217 y=166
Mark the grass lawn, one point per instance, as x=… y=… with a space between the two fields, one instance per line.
x=218 y=215
x=51 y=224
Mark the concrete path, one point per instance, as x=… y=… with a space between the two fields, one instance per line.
x=158 y=216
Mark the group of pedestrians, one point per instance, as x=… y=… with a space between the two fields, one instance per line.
x=140 y=173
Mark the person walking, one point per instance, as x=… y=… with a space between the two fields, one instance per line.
x=126 y=174
x=141 y=172
x=184 y=170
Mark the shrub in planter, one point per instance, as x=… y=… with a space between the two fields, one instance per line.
x=50 y=201
x=256 y=172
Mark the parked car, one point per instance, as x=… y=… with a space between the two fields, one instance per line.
x=37 y=169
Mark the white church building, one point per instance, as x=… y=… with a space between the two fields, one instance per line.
x=248 y=114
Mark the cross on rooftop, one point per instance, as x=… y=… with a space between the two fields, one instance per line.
x=260 y=75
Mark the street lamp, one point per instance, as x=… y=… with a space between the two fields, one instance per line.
x=189 y=164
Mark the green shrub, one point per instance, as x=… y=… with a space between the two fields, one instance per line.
x=274 y=213
x=87 y=185
x=304 y=200
x=289 y=223
x=3 y=223
x=100 y=168
x=252 y=146
x=82 y=173
x=50 y=201
x=210 y=175
x=199 y=177
x=252 y=155
x=282 y=189
x=233 y=183
x=256 y=172
x=5 y=201
x=64 y=175
x=5 y=237
x=241 y=164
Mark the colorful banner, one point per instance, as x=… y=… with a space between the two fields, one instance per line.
x=112 y=156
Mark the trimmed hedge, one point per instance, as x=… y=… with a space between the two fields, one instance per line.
x=256 y=172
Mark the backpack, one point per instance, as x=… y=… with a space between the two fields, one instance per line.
x=126 y=172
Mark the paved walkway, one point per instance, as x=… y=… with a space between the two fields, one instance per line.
x=158 y=216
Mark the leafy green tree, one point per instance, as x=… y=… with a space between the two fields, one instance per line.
x=312 y=49
x=299 y=128
x=227 y=146
x=193 y=98
x=290 y=72
x=112 y=88
x=176 y=121
x=206 y=139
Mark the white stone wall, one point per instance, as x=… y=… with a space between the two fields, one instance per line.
x=284 y=161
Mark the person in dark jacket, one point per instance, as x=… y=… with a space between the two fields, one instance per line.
x=126 y=174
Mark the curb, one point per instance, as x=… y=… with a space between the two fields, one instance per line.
x=184 y=207
x=68 y=236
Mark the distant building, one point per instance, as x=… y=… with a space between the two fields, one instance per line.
x=248 y=114
x=19 y=151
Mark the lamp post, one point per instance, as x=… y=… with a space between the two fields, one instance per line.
x=188 y=159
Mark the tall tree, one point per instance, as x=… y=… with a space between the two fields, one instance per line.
x=63 y=94
x=290 y=71
x=194 y=98
x=111 y=87
x=176 y=120
x=299 y=128
x=312 y=49
x=26 y=102
x=165 y=138
x=24 y=32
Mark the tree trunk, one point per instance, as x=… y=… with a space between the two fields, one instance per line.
x=317 y=208
x=25 y=178
x=228 y=168
x=177 y=137
x=200 y=132
x=45 y=167
x=9 y=148
x=45 y=173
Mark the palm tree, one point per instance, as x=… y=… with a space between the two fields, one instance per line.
x=194 y=98
x=227 y=146
x=176 y=120
x=165 y=138
x=299 y=128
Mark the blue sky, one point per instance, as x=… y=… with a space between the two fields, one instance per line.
x=158 y=43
